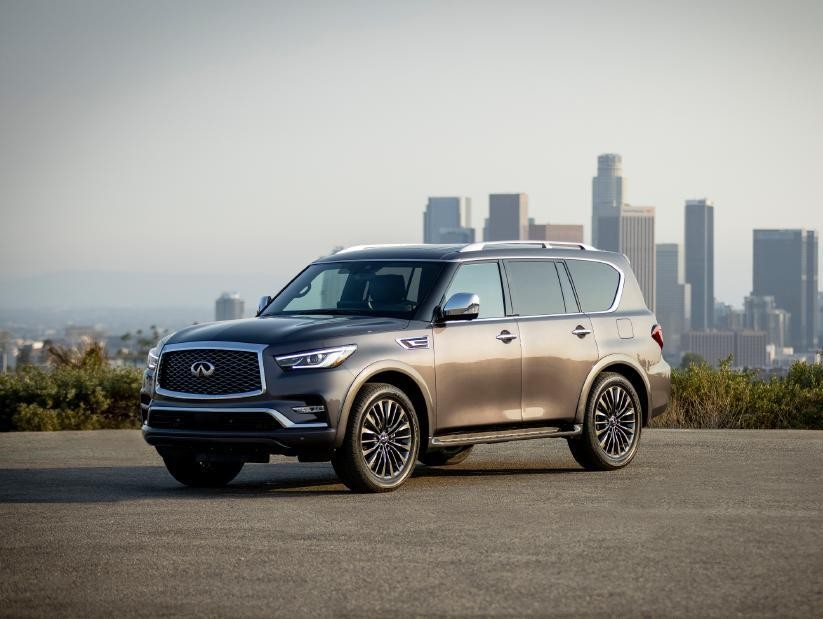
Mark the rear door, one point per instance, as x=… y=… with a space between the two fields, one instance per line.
x=477 y=362
x=556 y=339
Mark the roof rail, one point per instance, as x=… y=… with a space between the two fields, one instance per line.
x=542 y=244
x=375 y=246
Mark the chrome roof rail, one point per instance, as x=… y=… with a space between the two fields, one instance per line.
x=541 y=244
x=375 y=246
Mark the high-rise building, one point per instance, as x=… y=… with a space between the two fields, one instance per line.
x=762 y=314
x=637 y=242
x=618 y=226
x=785 y=267
x=747 y=348
x=607 y=199
x=448 y=220
x=673 y=303
x=508 y=217
x=556 y=232
x=229 y=306
x=699 y=248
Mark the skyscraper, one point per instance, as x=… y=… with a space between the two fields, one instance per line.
x=229 y=306
x=637 y=242
x=618 y=226
x=607 y=199
x=700 y=261
x=673 y=303
x=448 y=220
x=508 y=217
x=567 y=233
x=785 y=267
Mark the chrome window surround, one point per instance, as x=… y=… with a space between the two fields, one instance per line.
x=257 y=348
x=280 y=417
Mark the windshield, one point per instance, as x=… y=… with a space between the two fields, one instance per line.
x=373 y=288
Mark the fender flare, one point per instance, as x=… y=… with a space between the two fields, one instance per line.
x=603 y=366
x=364 y=376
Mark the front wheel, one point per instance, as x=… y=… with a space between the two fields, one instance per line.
x=382 y=440
x=611 y=427
x=190 y=472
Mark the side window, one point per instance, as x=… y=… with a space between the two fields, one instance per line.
x=482 y=279
x=596 y=284
x=535 y=287
x=568 y=291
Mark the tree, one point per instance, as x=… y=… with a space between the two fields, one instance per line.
x=691 y=358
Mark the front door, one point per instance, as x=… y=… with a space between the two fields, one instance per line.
x=478 y=362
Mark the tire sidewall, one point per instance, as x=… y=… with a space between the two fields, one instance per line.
x=386 y=392
x=605 y=459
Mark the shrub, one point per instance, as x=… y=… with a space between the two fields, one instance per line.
x=70 y=398
x=704 y=397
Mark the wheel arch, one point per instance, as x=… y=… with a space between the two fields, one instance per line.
x=402 y=376
x=625 y=366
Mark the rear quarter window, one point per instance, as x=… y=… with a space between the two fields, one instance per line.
x=596 y=284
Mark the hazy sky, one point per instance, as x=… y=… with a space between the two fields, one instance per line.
x=224 y=137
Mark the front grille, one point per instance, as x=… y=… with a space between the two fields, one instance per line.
x=224 y=421
x=235 y=372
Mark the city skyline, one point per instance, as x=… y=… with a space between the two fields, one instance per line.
x=132 y=149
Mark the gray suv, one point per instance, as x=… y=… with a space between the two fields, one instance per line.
x=378 y=357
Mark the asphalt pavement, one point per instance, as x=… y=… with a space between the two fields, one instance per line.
x=702 y=523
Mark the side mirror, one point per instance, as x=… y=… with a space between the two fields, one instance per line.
x=264 y=301
x=461 y=306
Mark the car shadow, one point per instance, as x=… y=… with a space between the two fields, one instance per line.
x=114 y=484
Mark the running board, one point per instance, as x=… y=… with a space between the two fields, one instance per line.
x=501 y=436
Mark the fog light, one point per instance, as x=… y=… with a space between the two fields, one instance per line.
x=309 y=409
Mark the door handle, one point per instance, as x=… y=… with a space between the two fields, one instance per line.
x=581 y=331
x=506 y=337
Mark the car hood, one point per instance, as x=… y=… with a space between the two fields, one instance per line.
x=286 y=329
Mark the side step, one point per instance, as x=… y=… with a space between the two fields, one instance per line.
x=502 y=436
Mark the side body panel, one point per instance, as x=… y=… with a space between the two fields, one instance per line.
x=478 y=376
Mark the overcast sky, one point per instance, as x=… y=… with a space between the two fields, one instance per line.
x=204 y=137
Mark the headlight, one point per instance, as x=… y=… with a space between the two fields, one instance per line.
x=154 y=353
x=326 y=358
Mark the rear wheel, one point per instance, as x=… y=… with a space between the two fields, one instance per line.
x=611 y=427
x=382 y=440
x=190 y=472
x=446 y=456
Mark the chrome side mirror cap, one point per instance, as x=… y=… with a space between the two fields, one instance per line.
x=461 y=306
x=264 y=301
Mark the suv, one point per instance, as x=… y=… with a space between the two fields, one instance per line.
x=377 y=357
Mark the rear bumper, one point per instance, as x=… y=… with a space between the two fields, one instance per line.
x=660 y=382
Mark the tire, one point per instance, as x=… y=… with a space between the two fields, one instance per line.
x=382 y=440
x=189 y=472
x=446 y=456
x=611 y=426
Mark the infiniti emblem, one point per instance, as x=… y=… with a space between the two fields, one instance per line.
x=201 y=369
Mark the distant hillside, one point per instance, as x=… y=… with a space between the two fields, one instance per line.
x=90 y=289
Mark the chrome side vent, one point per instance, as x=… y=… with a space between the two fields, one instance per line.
x=413 y=343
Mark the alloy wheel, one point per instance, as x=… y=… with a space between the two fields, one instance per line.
x=386 y=439
x=615 y=421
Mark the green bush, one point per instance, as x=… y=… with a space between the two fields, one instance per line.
x=90 y=396
x=704 y=397
x=70 y=398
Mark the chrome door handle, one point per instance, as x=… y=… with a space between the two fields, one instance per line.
x=581 y=331
x=506 y=337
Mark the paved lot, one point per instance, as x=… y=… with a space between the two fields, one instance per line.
x=702 y=523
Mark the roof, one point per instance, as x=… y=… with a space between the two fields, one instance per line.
x=495 y=249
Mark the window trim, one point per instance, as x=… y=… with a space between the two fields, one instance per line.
x=618 y=295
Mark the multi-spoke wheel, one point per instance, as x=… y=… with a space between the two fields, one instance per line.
x=611 y=428
x=382 y=440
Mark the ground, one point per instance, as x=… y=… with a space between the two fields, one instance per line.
x=702 y=523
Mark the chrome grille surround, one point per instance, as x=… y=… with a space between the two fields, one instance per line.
x=256 y=382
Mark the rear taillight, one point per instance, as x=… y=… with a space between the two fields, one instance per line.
x=657 y=335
